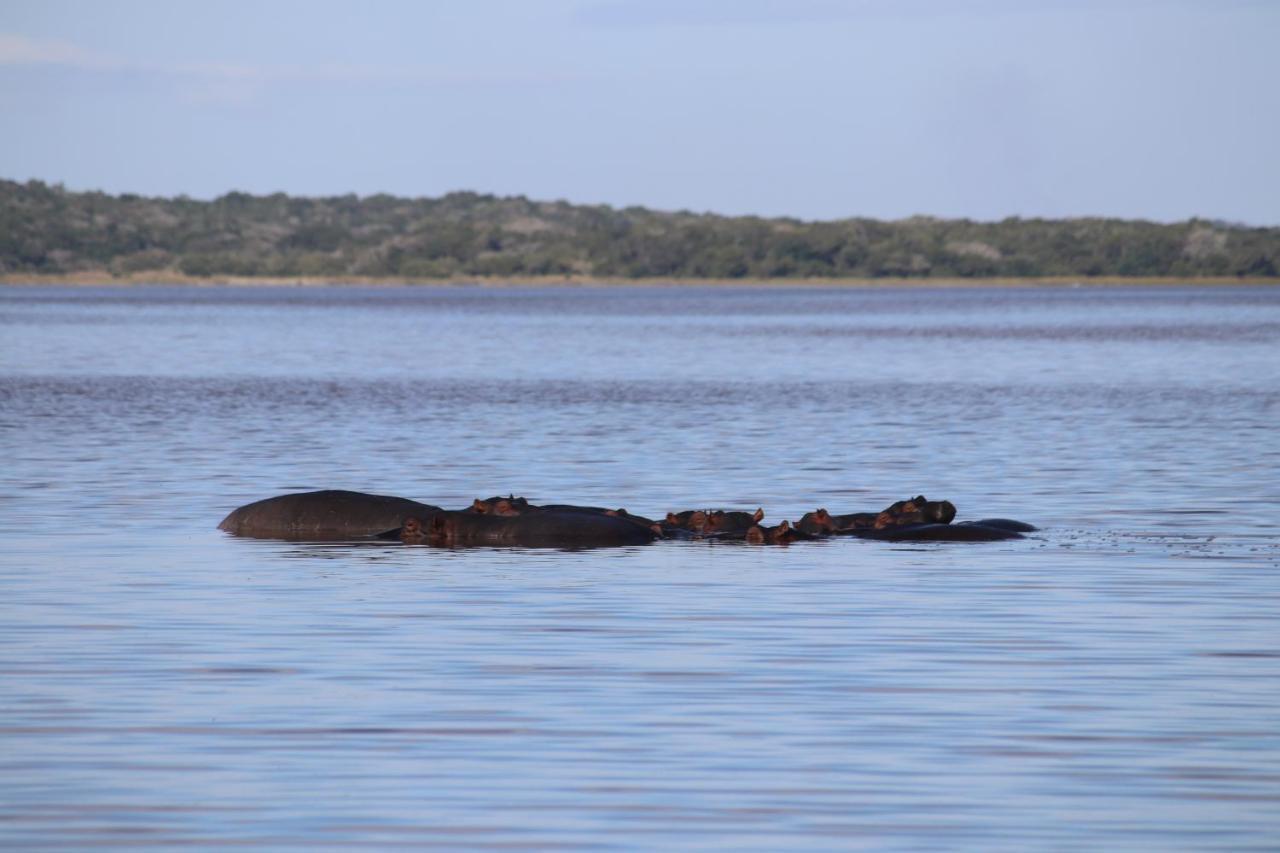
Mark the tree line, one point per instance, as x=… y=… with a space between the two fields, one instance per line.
x=46 y=229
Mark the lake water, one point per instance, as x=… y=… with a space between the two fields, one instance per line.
x=1112 y=681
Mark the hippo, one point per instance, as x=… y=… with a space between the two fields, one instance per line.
x=327 y=514
x=934 y=532
x=530 y=530
x=1002 y=524
x=498 y=505
x=781 y=534
x=822 y=523
x=712 y=522
x=917 y=510
x=719 y=521
x=690 y=519
x=509 y=506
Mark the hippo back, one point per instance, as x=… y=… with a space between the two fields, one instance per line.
x=569 y=530
x=328 y=514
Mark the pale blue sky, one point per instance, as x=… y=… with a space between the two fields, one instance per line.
x=1160 y=109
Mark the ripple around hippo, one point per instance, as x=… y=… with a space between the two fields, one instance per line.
x=336 y=515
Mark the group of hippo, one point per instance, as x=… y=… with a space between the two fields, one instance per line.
x=513 y=521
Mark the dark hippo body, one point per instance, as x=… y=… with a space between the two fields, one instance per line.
x=511 y=506
x=1002 y=524
x=328 y=514
x=530 y=530
x=967 y=532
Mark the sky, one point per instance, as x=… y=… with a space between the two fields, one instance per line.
x=816 y=109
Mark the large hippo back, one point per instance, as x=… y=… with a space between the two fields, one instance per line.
x=328 y=514
x=535 y=530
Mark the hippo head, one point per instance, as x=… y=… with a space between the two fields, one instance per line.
x=818 y=521
x=917 y=510
x=510 y=505
x=899 y=512
x=779 y=534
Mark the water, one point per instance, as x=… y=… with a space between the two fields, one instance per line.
x=1111 y=681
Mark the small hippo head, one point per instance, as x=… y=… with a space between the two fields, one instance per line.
x=819 y=521
x=780 y=534
x=510 y=505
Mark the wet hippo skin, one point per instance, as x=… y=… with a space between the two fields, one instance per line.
x=531 y=530
x=1002 y=524
x=327 y=514
x=967 y=532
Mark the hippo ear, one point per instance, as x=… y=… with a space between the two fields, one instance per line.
x=822 y=514
x=479 y=506
x=671 y=518
x=784 y=526
x=759 y=515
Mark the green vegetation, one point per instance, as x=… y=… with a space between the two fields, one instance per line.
x=46 y=230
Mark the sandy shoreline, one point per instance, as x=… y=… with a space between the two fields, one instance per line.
x=102 y=279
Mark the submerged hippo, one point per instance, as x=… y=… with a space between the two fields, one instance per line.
x=780 y=534
x=917 y=510
x=498 y=505
x=328 y=514
x=529 y=530
x=823 y=523
x=932 y=532
x=717 y=522
x=1001 y=524
x=510 y=506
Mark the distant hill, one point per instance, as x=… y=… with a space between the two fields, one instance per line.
x=46 y=230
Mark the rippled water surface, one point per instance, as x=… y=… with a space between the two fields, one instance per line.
x=1112 y=681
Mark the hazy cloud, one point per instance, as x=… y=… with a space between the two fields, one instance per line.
x=22 y=50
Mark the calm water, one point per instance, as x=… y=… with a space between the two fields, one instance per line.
x=1113 y=681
